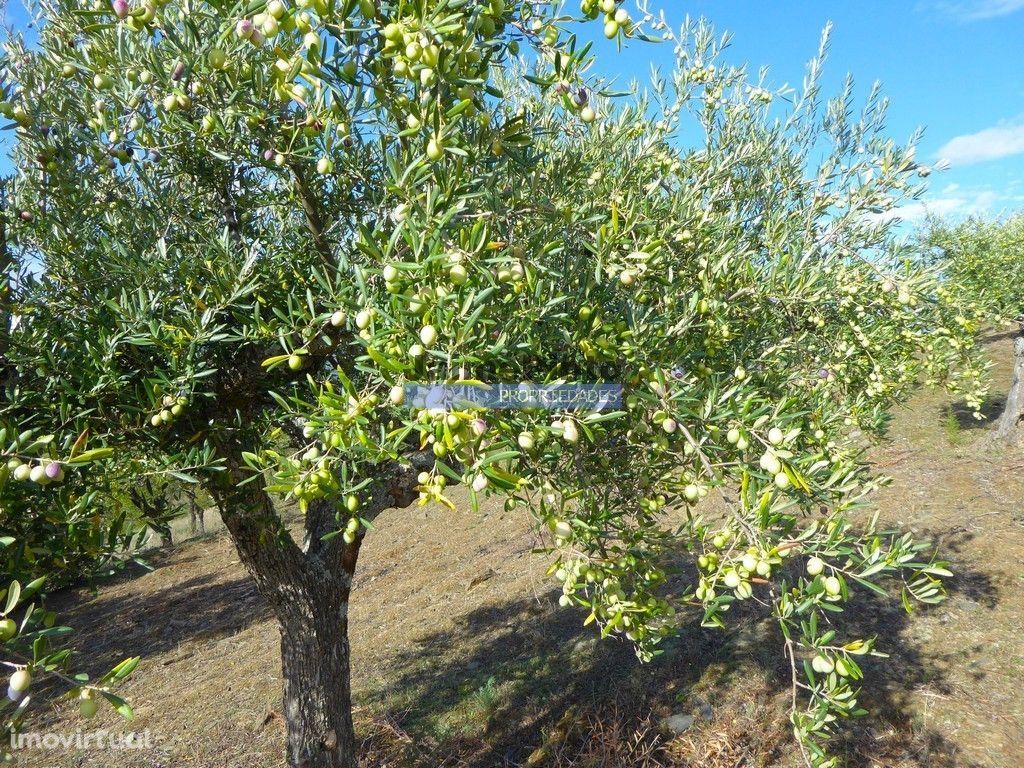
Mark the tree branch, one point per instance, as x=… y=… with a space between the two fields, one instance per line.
x=311 y=209
x=394 y=485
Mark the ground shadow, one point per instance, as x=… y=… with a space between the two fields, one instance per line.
x=1000 y=335
x=990 y=411
x=538 y=663
x=148 y=623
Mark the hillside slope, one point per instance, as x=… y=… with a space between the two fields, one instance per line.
x=462 y=658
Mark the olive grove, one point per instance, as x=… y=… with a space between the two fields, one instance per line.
x=983 y=265
x=238 y=229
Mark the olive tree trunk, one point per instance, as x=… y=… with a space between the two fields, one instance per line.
x=316 y=670
x=1011 y=424
x=308 y=588
x=196 y=513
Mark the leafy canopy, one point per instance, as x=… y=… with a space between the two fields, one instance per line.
x=250 y=224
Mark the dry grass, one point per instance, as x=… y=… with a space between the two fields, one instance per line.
x=462 y=659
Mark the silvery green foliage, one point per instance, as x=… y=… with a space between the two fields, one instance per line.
x=253 y=229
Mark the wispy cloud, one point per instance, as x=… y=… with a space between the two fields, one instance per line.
x=1002 y=140
x=967 y=203
x=976 y=10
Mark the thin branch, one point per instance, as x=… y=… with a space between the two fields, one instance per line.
x=791 y=653
x=311 y=210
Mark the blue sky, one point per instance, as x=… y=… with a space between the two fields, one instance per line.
x=954 y=67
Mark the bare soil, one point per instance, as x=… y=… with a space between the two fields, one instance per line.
x=462 y=658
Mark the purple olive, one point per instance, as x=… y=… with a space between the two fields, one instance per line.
x=245 y=28
x=823 y=373
x=179 y=71
x=120 y=8
x=268 y=155
x=53 y=470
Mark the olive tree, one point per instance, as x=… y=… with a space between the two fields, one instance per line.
x=983 y=263
x=256 y=222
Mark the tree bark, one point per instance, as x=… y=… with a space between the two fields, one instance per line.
x=316 y=670
x=1011 y=424
x=195 y=515
x=310 y=602
x=308 y=589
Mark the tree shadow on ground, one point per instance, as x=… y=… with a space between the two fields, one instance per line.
x=990 y=411
x=534 y=671
x=151 y=622
x=998 y=335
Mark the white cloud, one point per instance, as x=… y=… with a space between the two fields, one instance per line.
x=980 y=202
x=978 y=10
x=1002 y=140
x=949 y=189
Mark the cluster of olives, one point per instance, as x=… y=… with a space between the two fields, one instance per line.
x=576 y=100
x=564 y=428
x=735 y=570
x=431 y=486
x=607 y=598
x=171 y=408
x=40 y=472
x=654 y=504
x=16 y=112
x=420 y=55
x=771 y=459
x=351 y=529
x=735 y=436
x=832 y=584
x=513 y=273
x=458 y=434
x=699 y=74
x=417 y=298
x=667 y=423
x=616 y=19
x=318 y=481
x=138 y=20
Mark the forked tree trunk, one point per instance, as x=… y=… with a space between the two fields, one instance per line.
x=308 y=589
x=1011 y=424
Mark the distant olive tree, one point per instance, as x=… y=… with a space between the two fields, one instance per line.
x=254 y=223
x=983 y=263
